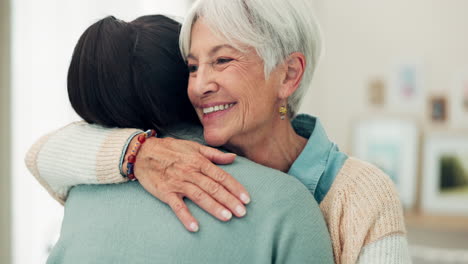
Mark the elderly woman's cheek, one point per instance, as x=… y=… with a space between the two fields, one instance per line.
x=248 y=114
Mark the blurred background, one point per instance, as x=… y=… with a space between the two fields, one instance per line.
x=391 y=88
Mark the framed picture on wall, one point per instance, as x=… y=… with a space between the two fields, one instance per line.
x=376 y=92
x=438 y=108
x=445 y=174
x=406 y=91
x=392 y=145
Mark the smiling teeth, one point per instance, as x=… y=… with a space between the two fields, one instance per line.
x=216 y=108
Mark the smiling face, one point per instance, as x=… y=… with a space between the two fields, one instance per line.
x=228 y=90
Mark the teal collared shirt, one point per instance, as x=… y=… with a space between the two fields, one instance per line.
x=320 y=160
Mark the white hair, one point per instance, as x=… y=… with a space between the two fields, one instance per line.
x=274 y=28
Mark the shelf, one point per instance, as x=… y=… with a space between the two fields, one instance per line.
x=436 y=222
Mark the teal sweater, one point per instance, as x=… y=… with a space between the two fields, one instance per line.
x=125 y=224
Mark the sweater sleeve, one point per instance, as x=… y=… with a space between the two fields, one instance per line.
x=361 y=208
x=392 y=249
x=78 y=153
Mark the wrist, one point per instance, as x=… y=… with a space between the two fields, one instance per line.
x=133 y=152
x=127 y=149
x=128 y=152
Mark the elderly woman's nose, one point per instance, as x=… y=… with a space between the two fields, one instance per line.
x=205 y=82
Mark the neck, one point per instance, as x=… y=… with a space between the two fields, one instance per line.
x=276 y=147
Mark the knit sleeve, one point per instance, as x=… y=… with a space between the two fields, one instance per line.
x=361 y=207
x=78 y=153
x=392 y=249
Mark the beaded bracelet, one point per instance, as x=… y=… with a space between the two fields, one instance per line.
x=132 y=157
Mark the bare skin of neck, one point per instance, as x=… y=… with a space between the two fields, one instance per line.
x=277 y=147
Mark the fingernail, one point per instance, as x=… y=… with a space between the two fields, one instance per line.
x=245 y=198
x=226 y=214
x=194 y=227
x=240 y=210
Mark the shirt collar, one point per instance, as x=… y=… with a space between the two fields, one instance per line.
x=312 y=162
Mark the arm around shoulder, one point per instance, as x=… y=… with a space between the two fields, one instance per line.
x=78 y=153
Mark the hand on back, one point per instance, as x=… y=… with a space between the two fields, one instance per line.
x=171 y=169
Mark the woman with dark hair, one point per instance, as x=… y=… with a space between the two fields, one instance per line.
x=132 y=75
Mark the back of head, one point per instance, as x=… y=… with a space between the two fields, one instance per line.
x=130 y=74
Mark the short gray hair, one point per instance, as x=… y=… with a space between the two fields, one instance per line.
x=274 y=28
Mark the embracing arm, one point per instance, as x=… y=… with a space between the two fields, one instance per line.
x=169 y=169
x=78 y=153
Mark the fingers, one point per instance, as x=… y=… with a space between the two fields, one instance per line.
x=176 y=203
x=226 y=180
x=180 y=209
x=217 y=156
x=219 y=193
x=206 y=202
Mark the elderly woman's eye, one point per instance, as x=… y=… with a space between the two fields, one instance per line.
x=192 y=68
x=223 y=60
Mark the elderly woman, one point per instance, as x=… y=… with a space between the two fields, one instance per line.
x=250 y=63
x=126 y=224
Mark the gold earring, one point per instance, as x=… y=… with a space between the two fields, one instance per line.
x=283 y=111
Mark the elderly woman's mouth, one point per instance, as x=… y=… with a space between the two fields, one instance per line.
x=215 y=108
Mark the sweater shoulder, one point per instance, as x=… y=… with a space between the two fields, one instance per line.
x=360 y=177
x=362 y=187
x=361 y=191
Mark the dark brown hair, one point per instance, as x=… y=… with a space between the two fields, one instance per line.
x=130 y=74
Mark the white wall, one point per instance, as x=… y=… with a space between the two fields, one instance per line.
x=44 y=35
x=365 y=38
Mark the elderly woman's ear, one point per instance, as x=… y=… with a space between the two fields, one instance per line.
x=294 y=67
